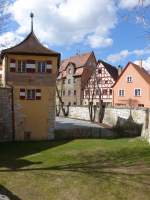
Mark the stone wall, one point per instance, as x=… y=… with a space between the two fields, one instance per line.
x=5 y=115
x=118 y=117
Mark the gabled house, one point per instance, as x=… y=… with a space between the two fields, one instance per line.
x=30 y=69
x=100 y=84
x=132 y=89
x=73 y=74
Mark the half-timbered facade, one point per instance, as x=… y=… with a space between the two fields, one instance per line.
x=99 y=86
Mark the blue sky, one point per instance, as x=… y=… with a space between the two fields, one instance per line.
x=71 y=26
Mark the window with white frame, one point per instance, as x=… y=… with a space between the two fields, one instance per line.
x=31 y=94
x=69 y=92
x=22 y=66
x=129 y=79
x=41 y=67
x=121 y=93
x=137 y=92
x=69 y=81
x=69 y=71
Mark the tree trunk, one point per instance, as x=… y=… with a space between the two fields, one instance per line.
x=65 y=113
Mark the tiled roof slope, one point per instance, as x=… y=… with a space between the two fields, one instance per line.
x=30 y=45
x=79 y=60
x=145 y=74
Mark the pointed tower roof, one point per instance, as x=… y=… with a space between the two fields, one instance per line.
x=30 y=46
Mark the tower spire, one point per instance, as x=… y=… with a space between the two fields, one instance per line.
x=31 y=15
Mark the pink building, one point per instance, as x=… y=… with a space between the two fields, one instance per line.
x=133 y=87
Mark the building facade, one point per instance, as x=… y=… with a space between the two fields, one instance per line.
x=99 y=86
x=73 y=75
x=133 y=87
x=30 y=70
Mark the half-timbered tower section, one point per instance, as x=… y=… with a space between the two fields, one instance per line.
x=73 y=74
x=99 y=86
x=30 y=69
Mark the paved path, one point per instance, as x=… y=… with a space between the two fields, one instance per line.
x=80 y=129
x=67 y=123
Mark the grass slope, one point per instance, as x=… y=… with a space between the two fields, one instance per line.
x=76 y=170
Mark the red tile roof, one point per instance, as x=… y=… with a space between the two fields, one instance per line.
x=79 y=61
x=79 y=71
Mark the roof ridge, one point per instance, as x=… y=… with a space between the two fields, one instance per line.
x=76 y=55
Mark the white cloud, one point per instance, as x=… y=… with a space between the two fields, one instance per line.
x=145 y=63
x=61 y=22
x=130 y=4
x=97 y=41
x=114 y=58
x=8 y=40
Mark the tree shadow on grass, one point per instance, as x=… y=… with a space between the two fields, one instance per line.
x=7 y=194
x=11 y=153
x=125 y=163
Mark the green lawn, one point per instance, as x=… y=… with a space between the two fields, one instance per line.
x=89 y=169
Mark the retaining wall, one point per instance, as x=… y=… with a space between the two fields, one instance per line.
x=139 y=117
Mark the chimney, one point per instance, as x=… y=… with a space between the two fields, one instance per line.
x=119 y=68
x=141 y=63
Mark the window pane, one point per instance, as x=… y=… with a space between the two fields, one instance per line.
x=31 y=94
x=43 y=67
x=23 y=66
x=39 y=66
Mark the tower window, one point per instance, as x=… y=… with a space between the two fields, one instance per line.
x=41 y=67
x=22 y=66
x=31 y=94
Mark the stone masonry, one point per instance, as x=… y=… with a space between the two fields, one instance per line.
x=112 y=115
x=5 y=115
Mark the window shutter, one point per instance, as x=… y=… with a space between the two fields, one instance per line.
x=49 y=70
x=22 y=93
x=12 y=65
x=38 y=94
x=30 y=66
x=49 y=66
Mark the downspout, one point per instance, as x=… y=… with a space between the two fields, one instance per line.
x=12 y=103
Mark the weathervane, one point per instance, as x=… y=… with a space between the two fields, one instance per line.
x=31 y=15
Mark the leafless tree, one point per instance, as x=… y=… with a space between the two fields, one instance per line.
x=61 y=106
x=93 y=89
